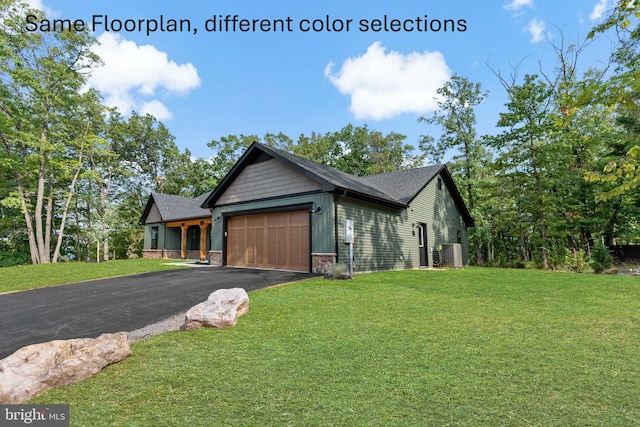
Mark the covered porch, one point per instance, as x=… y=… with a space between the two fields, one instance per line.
x=194 y=237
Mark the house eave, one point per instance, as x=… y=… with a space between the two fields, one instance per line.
x=345 y=192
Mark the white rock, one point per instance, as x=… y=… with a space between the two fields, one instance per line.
x=39 y=367
x=220 y=310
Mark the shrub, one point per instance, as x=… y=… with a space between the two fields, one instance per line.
x=338 y=271
x=600 y=258
x=577 y=261
x=556 y=256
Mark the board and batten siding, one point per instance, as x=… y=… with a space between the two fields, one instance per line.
x=436 y=208
x=322 y=224
x=168 y=238
x=381 y=237
x=271 y=178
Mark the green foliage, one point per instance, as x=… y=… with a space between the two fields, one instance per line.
x=620 y=92
x=457 y=101
x=472 y=347
x=557 y=254
x=600 y=258
x=14 y=250
x=359 y=151
x=46 y=122
x=577 y=261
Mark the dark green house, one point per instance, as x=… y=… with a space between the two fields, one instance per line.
x=279 y=211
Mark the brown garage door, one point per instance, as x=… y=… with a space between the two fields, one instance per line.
x=277 y=240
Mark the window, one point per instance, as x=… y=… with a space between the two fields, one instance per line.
x=439 y=183
x=459 y=236
x=421 y=235
x=154 y=237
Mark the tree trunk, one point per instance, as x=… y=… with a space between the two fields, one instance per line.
x=543 y=230
x=63 y=220
x=478 y=249
x=42 y=258
x=33 y=246
x=521 y=248
x=49 y=221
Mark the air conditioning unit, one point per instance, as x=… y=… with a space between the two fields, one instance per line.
x=451 y=255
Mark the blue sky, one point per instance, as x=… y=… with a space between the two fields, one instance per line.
x=212 y=84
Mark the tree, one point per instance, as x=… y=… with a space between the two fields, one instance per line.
x=622 y=90
x=457 y=101
x=525 y=148
x=43 y=122
x=359 y=151
x=227 y=150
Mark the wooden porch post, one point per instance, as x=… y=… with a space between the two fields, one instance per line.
x=183 y=241
x=203 y=240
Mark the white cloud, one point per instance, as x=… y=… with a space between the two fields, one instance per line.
x=536 y=29
x=133 y=75
x=157 y=109
x=599 y=10
x=384 y=84
x=518 y=4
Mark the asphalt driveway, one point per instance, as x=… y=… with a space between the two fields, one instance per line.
x=88 y=309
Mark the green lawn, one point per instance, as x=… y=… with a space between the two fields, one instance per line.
x=23 y=277
x=479 y=347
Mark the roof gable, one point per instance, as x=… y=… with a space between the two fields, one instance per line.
x=331 y=180
x=395 y=189
x=267 y=178
x=405 y=185
x=173 y=208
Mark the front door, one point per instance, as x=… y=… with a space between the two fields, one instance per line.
x=422 y=244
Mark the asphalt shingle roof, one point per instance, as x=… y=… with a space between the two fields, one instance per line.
x=335 y=177
x=396 y=189
x=404 y=185
x=177 y=207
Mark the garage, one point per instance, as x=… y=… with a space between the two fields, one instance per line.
x=274 y=240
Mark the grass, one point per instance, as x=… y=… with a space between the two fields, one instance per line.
x=458 y=348
x=24 y=277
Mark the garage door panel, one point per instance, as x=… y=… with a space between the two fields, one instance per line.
x=255 y=221
x=278 y=240
x=295 y=241
x=280 y=218
x=283 y=247
x=250 y=247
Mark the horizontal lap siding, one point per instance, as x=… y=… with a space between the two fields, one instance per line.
x=387 y=239
x=381 y=236
x=437 y=209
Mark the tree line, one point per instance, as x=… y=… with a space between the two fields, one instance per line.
x=559 y=176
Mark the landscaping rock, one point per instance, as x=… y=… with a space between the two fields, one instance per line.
x=220 y=310
x=611 y=271
x=36 y=368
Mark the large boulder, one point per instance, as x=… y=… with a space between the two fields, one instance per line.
x=220 y=310
x=37 y=368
